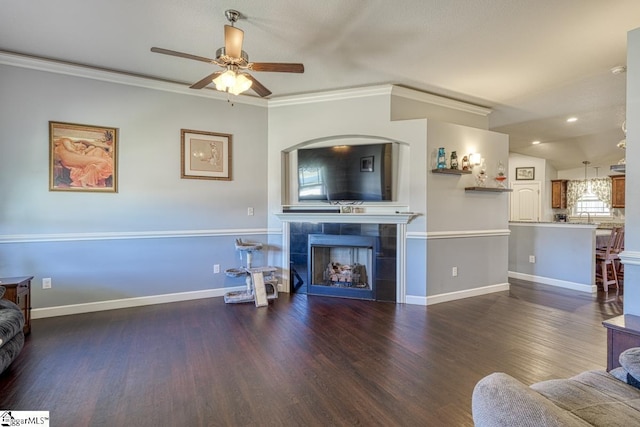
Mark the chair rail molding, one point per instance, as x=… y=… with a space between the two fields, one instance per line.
x=459 y=234
x=630 y=257
x=123 y=235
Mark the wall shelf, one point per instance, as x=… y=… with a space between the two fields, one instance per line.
x=489 y=189
x=451 y=171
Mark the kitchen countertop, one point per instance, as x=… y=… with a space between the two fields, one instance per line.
x=599 y=225
x=610 y=225
x=554 y=224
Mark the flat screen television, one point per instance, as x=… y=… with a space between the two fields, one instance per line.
x=346 y=173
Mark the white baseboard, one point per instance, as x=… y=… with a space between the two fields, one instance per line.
x=64 y=310
x=452 y=296
x=582 y=287
x=414 y=300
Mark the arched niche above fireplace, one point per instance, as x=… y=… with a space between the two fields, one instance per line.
x=389 y=167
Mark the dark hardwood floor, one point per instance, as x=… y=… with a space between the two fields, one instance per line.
x=301 y=361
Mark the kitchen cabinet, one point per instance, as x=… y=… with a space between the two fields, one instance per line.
x=558 y=193
x=617 y=191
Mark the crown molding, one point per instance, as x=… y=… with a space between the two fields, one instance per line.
x=51 y=65
x=440 y=101
x=380 y=90
x=333 y=95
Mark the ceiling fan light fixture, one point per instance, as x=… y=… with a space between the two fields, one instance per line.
x=232 y=82
x=229 y=78
x=241 y=84
x=232 y=59
x=225 y=80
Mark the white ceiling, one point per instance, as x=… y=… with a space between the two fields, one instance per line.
x=534 y=62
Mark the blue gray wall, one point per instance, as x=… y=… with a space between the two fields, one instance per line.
x=159 y=234
x=466 y=230
x=563 y=254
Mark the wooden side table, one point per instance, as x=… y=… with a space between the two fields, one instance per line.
x=19 y=292
x=623 y=332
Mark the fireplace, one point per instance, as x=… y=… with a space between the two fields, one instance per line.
x=342 y=265
x=388 y=229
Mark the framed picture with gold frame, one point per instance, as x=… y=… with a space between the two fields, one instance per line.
x=83 y=158
x=205 y=155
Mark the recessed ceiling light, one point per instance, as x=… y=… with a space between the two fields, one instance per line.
x=619 y=69
x=572 y=119
x=535 y=142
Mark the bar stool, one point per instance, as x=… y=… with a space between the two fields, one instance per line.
x=606 y=259
x=618 y=247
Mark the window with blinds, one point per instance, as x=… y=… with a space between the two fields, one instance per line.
x=591 y=204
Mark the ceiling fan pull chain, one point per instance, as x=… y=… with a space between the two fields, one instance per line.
x=229 y=99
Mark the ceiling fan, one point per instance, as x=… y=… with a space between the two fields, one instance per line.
x=235 y=62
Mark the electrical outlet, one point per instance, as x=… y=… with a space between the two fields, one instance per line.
x=454 y=272
x=532 y=259
x=46 y=283
x=250 y=211
x=216 y=268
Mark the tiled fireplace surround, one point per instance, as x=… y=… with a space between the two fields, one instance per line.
x=387 y=224
x=385 y=257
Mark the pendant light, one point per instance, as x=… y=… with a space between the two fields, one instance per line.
x=586 y=181
x=585 y=163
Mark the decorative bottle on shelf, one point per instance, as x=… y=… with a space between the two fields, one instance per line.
x=501 y=177
x=453 y=164
x=442 y=159
x=482 y=174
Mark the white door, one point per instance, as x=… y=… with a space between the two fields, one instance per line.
x=525 y=201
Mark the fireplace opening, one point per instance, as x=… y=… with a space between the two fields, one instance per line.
x=341 y=265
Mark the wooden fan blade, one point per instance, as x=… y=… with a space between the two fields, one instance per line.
x=233 y=38
x=202 y=83
x=180 y=54
x=258 y=87
x=277 y=67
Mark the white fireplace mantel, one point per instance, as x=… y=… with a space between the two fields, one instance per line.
x=351 y=218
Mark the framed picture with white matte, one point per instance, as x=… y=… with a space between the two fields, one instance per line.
x=205 y=155
x=525 y=174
